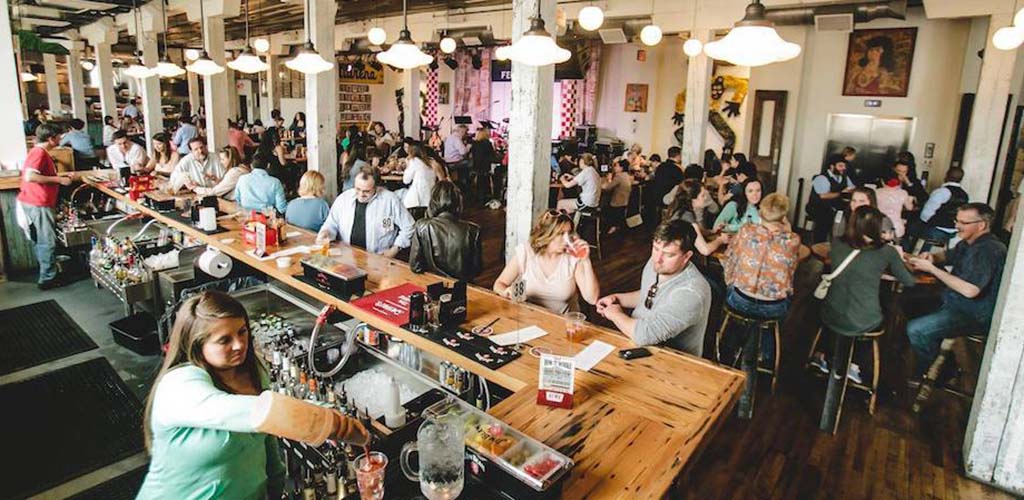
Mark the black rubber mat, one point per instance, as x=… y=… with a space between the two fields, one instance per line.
x=123 y=487
x=66 y=423
x=34 y=334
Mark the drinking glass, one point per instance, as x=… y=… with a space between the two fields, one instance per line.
x=574 y=325
x=370 y=475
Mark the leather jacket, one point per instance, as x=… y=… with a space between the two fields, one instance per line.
x=447 y=246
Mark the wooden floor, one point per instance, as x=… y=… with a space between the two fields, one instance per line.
x=780 y=453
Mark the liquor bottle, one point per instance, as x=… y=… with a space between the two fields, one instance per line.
x=313 y=394
x=331 y=476
x=308 y=488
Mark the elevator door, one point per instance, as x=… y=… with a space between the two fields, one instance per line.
x=877 y=139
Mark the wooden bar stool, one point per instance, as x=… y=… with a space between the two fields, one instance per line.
x=836 y=393
x=924 y=392
x=746 y=405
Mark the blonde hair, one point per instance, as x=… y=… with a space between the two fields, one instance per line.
x=312 y=184
x=773 y=208
x=589 y=160
x=481 y=135
x=548 y=229
x=188 y=335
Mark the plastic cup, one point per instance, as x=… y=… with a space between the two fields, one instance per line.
x=370 y=475
x=574 y=325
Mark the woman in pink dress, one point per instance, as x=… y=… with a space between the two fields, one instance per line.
x=892 y=200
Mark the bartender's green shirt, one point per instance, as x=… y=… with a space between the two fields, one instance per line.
x=205 y=445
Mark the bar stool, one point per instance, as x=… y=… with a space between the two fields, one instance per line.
x=593 y=216
x=833 y=408
x=924 y=392
x=762 y=325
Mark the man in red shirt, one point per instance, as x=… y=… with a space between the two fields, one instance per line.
x=239 y=140
x=38 y=199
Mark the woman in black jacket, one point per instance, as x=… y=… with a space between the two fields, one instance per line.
x=442 y=243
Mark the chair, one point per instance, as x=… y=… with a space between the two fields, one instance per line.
x=833 y=407
x=591 y=215
x=762 y=324
x=924 y=392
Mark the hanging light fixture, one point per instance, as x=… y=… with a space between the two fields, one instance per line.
x=651 y=34
x=536 y=47
x=753 y=41
x=448 y=44
x=377 y=35
x=28 y=77
x=87 y=64
x=591 y=17
x=203 y=65
x=247 y=61
x=137 y=69
x=261 y=44
x=501 y=53
x=693 y=47
x=166 y=68
x=1008 y=38
x=192 y=54
x=404 y=53
x=307 y=60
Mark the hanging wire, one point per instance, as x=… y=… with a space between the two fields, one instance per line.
x=163 y=10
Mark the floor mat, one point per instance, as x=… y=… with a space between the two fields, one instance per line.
x=64 y=424
x=37 y=333
x=123 y=487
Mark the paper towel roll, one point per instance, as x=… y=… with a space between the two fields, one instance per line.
x=214 y=263
x=208 y=219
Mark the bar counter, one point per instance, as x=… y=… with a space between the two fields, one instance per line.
x=634 y=427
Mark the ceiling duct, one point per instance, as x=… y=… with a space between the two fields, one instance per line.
x=861 y=12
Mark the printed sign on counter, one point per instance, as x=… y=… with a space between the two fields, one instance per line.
x=557 y=381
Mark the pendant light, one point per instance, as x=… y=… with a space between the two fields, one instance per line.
x=1010 y=37
x=753 y=41
x=448 y=44
x=137 y=69
x=404 y=53
x=86 y=63
x=536 y=47
x=307 y=60
x=261 y=44
x=693 y=47
x=203 y=65
x=591 y=17
x=247 y=61
x=166 y=68
x=192 y=54
x=28 y=77
x=651 y=34
x=377 y=35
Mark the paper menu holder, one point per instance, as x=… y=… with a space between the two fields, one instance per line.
x=557 y=381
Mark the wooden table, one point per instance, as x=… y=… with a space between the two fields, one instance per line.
x=635 y=425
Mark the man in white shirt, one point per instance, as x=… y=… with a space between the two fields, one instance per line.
x=197 y=168
x=456 y=155
x=369 y=217
x=125 y=153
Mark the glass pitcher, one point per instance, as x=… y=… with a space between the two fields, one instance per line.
x=440 y=443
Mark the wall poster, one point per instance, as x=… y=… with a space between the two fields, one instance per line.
x=878 y=62
x=636 y=97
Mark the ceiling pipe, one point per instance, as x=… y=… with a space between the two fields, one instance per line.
x=862 y=12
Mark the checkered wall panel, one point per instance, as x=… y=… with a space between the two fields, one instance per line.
x=570 y=102
x=430 y=117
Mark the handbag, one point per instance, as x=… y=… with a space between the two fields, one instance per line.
x=826 y=280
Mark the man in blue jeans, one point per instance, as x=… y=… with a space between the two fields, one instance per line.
x=37 y=201
x=976 y=268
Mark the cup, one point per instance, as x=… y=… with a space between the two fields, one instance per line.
x=574 y=325
x=578 y=248
x=316 y=249
x=370 y=475
x=284 y=262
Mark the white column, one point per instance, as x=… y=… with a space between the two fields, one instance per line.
x=994 y=441
x=12 y=127
x=152 y=103
x=108 y=100
x=411 y=102
x=273 y=99
x=980 y=153
x=529 y=132
x=76 y=81
x=193 y=92
x=322 y=98
x=52 y=85
x=232 y=77
x=698 y=88
x=215 y=87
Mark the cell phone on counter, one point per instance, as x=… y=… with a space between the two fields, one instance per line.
x=636 y=353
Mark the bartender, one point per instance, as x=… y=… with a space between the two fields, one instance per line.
x=210 y=419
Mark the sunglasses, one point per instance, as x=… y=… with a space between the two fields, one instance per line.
x=649 y=301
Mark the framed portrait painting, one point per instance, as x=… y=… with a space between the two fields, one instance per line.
x=878 y=62
x=636 y=97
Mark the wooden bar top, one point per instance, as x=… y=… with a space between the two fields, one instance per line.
x=635 y=424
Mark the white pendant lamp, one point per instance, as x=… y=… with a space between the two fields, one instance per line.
x=192 y=54
x=28 y=77
x=1008 y=38
x=307 y=60
x=591 y=17
x=536 y=47
x=87 y=64
x=752 y=42
x=166 y=68
x=1018 y=19
x=693 y=47
x=262 y=45
x=501 y=53
x=377 y=35
x=404 y=53
x=448 y=44
x=202 y=64
x=137 y=69
x=650 y=35
x=248 y=61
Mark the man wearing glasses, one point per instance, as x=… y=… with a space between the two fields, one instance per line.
x=368 y=216
x=671 y=307
x=976 y=267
